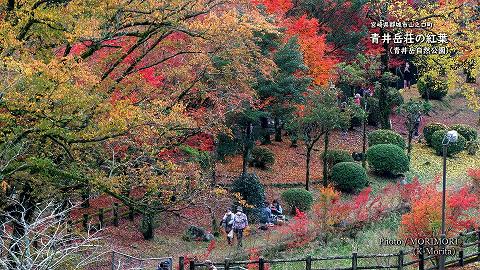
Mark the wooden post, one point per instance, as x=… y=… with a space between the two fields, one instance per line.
x=308 y=263
x=101 y=217
x=181 y=262
x=354 y=261
x=113 y=260
x=115 y=214
x=400 y=260
x=460 y=252
x=192 y=265
x=131 y=213
x=421 y=258
x=227 y=264
x=261 y=263
x=85 y=221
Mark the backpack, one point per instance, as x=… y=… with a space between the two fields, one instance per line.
x=240 y=221
x=229 y=219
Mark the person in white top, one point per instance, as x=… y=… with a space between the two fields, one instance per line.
x=227 y=222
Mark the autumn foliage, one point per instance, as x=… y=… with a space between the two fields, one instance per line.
x=424 y=219
x=312 y=44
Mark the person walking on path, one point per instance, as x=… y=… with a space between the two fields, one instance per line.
x=240 y=222
x=227 y=222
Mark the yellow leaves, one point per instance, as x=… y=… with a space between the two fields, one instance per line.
x=241 y=201
x=473 y=97
x=4 y=185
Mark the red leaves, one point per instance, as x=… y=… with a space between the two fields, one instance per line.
x=156 y=80
x=299 y=229
x=254 y=255
x=279 y=7
x=425 y=217
x=474 y=174
x=312 y=44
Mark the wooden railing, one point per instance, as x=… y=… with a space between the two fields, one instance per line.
x=403 y=260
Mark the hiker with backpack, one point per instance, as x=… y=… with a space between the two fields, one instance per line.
x=227 y=222
x=240 y=222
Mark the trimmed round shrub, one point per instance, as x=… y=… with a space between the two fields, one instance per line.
x=250 y=189
x=336 y=156
x=385 y=136
x=429 y=129
x=452 y=149
x=431 y=87
x=468 y=132
x=472 y=147
x=298 y=198
x=349 y=176
x=262 y=157
x=387 y=159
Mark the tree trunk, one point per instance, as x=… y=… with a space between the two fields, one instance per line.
x=266 y=133
x=409 y=146
x=246 y=148
x=278 y=130
x=86 y=195
x=325 y=164
x=148 y=226
x=307 y=174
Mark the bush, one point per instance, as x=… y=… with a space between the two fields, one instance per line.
x=250 y=189
x=387 y=159
x=472 y=147
x=385 y=136
x=298 y=198
x=431 y=87
x=468 y=132
x=349 y=176
x=336 y=156
x=429 y=129
x=262 y=157
x=452 y=149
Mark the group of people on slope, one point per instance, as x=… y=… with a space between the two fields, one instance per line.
x=235 y=223
x=271 y=214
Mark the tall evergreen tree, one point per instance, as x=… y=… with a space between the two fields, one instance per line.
x=285 y=87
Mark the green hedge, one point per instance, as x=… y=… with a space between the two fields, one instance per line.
x=387 y=159
x=432 y=88
x=468 y=132
x=452 y=149
x=472 y=147
x=386 y=136
x=349 y=176
x=297 y=198
x=262 y=157
x=430 y=128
